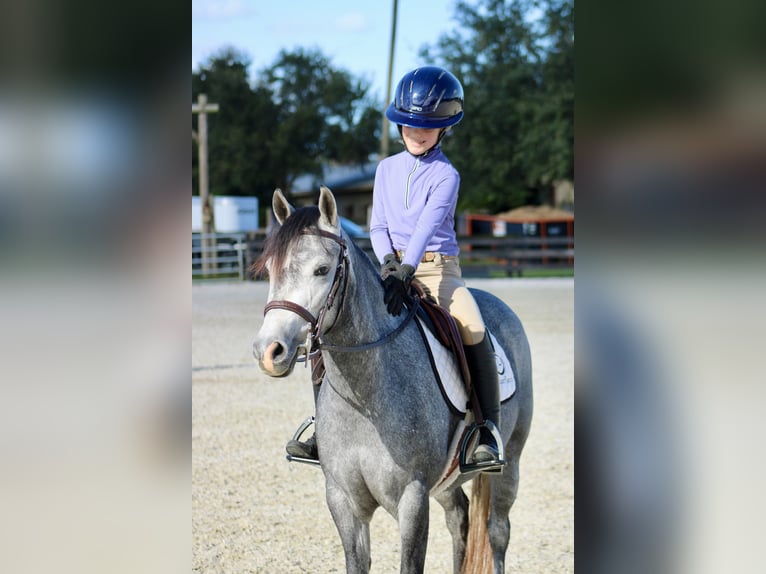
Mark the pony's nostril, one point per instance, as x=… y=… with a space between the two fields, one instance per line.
x=276 y=349
x=272 y=355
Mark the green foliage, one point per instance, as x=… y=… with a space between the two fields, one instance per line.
x=516 y=63
x=515 y=59
x=300 y=113
x=238 y=162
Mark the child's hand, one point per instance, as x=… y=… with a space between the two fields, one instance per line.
x=390 y=265
x=397 y=286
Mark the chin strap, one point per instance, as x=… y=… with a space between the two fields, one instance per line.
x=442 y=133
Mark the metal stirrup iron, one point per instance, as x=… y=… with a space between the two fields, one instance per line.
x=301 y=429
x=484 y=466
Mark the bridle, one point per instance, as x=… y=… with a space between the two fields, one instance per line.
x=339 y=286
x=314 y=343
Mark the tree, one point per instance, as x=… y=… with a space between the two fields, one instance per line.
x=515 y=61
x=323 y=114
x=547 y=145
x=299 y=114
x=238 y=162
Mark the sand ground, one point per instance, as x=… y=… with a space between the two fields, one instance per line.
x=252 y=511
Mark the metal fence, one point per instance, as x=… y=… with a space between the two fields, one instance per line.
x=514 y=255
x=218 y=255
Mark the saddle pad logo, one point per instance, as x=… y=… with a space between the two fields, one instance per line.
x=500 y=366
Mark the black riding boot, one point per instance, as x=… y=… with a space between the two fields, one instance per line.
x=307 y=448
x=481 y=363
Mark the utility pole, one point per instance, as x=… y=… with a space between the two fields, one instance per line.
x=202 y=109
x=384 y=135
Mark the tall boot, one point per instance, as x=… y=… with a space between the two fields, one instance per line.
x=307 y=448
x=481 y=363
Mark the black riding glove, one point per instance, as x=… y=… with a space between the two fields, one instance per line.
x=397 y=286
x=390 y=265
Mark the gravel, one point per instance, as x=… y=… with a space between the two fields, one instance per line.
x=252 y=511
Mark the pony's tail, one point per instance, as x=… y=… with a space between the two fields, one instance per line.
x=478 y=554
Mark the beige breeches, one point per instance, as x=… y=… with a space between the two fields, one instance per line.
x=442 y=279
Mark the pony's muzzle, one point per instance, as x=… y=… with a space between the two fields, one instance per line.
x=274 y=360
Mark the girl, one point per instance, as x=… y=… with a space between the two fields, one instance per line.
x=412 y=227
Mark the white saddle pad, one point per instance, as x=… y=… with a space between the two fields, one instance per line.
x=452 y=381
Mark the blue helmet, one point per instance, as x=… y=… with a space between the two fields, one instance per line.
x=427 y=97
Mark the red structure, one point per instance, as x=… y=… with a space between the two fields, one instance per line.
x=542 y=226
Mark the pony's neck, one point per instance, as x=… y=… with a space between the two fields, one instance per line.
x=363 y=320
x=363 y=317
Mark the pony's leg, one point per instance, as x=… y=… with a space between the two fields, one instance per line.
x=455 y=504
x=353 y=527
x=503 y=495
x=412 y=516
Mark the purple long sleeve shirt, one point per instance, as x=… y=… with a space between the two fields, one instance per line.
x=413 y=206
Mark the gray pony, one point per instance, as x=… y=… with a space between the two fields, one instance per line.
x=383 y=428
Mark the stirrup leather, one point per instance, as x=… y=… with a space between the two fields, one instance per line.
x=301 y=429
x=494 y=466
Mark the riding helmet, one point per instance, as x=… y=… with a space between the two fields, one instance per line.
x=427 y=97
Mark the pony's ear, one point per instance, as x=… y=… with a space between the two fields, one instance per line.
x=328 y=210
x=282 y=209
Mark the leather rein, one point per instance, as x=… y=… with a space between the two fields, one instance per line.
x=314 y=343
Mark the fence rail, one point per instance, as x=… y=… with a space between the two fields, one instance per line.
x=512 y=256
x=218 y=254
x=490 y=256
x=230 y=254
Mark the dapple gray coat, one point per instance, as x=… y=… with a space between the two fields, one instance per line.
x=382 y=427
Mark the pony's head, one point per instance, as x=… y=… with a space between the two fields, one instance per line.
x=306 y=260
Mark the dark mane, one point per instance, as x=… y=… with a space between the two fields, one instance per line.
x=280 y=240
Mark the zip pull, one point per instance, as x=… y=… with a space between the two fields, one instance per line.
x=409 y=177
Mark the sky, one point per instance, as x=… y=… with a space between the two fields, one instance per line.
x=355 y=35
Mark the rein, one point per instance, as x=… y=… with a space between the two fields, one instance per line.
x=384 y=339
x=314 y=344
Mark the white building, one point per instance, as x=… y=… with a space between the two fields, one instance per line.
x=232 y=214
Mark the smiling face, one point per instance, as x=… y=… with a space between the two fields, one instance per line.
x=419 y=140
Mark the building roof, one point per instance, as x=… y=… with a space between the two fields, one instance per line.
x=537 y=213
x=337 y=178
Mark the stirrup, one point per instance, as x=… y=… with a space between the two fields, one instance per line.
x=301 y=429
x=491 y=466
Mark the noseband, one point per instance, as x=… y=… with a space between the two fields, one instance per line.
x=339 y=286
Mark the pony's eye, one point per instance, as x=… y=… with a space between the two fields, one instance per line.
x=321 y=271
